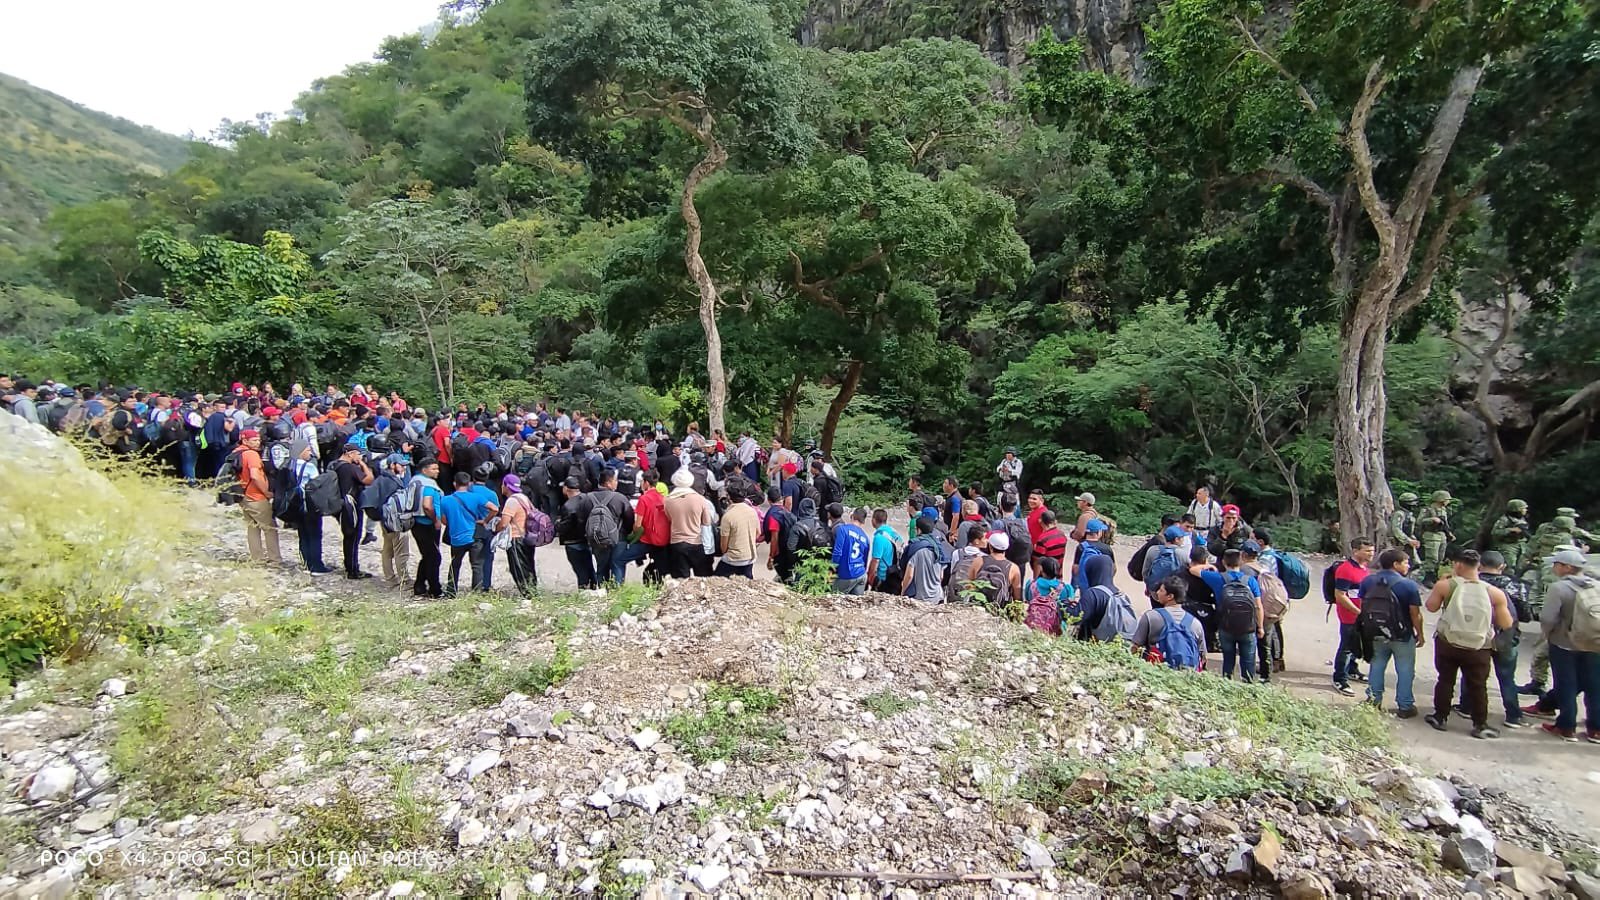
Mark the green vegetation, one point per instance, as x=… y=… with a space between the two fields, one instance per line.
x=347 y=824
x=905 y=251
x=485 y=681
x=629 y=599
x=738 y=725
x=886 y=703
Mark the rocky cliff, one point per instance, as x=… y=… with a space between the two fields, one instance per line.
x=1112 y=30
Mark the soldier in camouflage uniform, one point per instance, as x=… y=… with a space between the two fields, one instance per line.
x=1434 y=524
x=1403 y=528
x=1557 y=534
x=1510 y=534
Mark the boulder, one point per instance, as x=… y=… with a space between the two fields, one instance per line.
x=1305 y=885
x=1527 y=882
x=1516 y=856
x=52 y=783
x=1467 y=853
x=1266 y=854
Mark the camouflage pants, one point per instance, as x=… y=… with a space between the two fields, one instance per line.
x=1433 y=552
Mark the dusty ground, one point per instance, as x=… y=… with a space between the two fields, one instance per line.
x=1546 y=773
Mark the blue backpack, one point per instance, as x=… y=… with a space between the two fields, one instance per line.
x=1179 y=649
x=1293 y=573
x=1166 y=563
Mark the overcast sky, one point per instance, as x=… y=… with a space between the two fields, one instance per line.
x=185 y=65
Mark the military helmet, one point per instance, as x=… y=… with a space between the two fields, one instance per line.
x=1408 y=499
x=1563 y=523
x=1440 y=497
x=1569 y=512
x=1517 y=507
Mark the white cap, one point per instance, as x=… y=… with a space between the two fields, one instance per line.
x=999 y=540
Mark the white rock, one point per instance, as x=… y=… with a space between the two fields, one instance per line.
x=642 y=867
x=708 y=878
x=454 y=766
x=261 y=831
x=94 y=820
x=1037 y=855
x=856 y=673
x=482 y=763
x=644 y=796
x=599 y=800
x=717 y=767
x=361 y=736
x=1195 y=759
x=52 y=783
x=646 y=739
x=589 y=885
x=400 y=889
x=472 y=833
x=671 y=788
x=536 y=883
x=113 y=687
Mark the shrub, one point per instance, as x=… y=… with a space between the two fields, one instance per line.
x=85 y=540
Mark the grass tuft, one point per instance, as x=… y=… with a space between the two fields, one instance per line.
x=747 y=732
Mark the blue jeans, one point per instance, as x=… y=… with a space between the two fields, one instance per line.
x=582 y=562
x=488 y=567
x=187 y=456
x=1344 y=661
x=1505 y=675
x=1574 y=672
x=621 y=556
x=1240 y=647
x=1404 y=654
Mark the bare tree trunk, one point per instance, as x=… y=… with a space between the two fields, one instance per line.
x=791 y=401
x=433 y=352
x=1359 y=412
x=847 y=390
x=716 y=377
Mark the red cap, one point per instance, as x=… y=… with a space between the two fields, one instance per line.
x=248 y=433
x=299 y=417
x=1230 y=510
x=790 y=468
x=271 y=412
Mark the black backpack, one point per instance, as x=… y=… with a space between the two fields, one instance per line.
x=829 y=490
x=173 y=429
x=459 y=445
x=1380 y=613
x=1236 y=607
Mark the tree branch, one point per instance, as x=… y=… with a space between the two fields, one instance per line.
x=1361 y=154
x=1554 y=423
x=1433 y=254
x=1418 y=196
x=1266 y=56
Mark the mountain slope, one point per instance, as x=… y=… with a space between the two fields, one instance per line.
x=55 y=152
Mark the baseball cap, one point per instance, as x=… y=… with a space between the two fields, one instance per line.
x=1230 y=510
x=1085 y=497
x=999 y=540
x=1173 y=533
x=352 y=445
x=572 y=482
x=1571 y=556
x=1251 y=548
x=248 y=433
x=1094 y=526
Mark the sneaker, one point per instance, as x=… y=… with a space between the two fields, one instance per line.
x=1516 y=723
x=1409 y=712
x=1345 y=689
x=318 y=573
x=1592 y=736
x=358 y=576
x=1461 y=710
x=1359 y=676
x=1566 y=734
x=1531 y=689
x=1533 y=709
x=1435 y=721
x=1485 y=733
x=369 y=539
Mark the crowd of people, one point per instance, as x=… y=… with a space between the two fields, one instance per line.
x=474 y=483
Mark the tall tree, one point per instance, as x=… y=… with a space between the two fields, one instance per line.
x=1379 y=126
x=715 y=70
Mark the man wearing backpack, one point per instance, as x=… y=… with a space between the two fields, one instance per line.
x=1093 y=546
x=1462 y=642
x=260 y=532
x=353 y=474
x=1274 y=606
x=1391 y=617
x=1206 y=512
x=1492 y=568
x=1240 y=620
x=926 y=559
x=991 y=573
x=1570 y=621
x=395 y=549
x=609 y=524
x=886 y=555
x=1346 y=600
x=571 y=523
x=1169 y=634
x=466 y=514
x=425 y=530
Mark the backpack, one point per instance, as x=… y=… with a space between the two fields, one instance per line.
x=1466 y=620
x=1119 y=621
x=829 y=490
x=1177 y=646
x=288 y=503
x=328 y=439
x=152 y=429
x=602 y=529
x=322 y=494
x=1327 y=580
x=459 y=445
x=1236 y=606
x=896 y=572
x=72 y=417
x=1165 y=564
x=812 y=537
x=1135 y=565
x=1380 y=617
x=1090 y=549
x=1044 y=612
x=399 y=510
x=1583 y=629
x=1296 y=577
x=1021 y=549
x=230 y=491
x=993 y=580
x=539 y=529
x=1274 y=597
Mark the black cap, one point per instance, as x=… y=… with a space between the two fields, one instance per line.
x=573 y=482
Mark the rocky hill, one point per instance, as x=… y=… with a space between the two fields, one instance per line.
x=271 y=735
x=1112 y=30
x=55 y=152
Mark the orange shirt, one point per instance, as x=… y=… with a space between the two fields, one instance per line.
x=249 y=467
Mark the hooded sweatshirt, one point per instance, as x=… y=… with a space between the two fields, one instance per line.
x=1559 y=600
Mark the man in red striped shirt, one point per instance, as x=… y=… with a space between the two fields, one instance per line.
x=1050 y=544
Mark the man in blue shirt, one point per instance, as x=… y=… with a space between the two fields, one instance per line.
x=1237 y=636
x=885 y=544
x=1405 y=638
x=850 y=551
x=466 y=515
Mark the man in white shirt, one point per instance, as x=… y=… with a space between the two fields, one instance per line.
x=1206 y=511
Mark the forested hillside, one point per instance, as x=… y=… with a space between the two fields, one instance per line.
x=1305 y=257
x=55 y=152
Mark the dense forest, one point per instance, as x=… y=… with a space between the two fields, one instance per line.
x=1311 y=258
